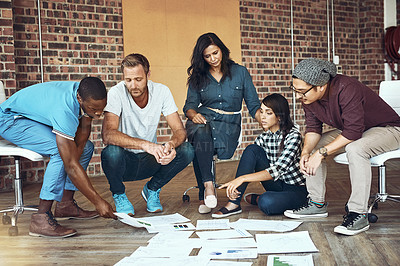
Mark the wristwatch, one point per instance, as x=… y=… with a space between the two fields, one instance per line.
x=323 y=151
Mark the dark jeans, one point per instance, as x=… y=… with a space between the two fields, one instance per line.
x=279 y=196
x=204 y=151
x=120 y=165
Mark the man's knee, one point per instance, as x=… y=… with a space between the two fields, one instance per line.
x=112 y=155
x=186 y=151
x=356 y=149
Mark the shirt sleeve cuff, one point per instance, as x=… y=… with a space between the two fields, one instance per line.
x=273 y=172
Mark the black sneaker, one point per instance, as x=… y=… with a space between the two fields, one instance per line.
x=353 y=223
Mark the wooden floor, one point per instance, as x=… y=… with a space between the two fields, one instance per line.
x=105 y=242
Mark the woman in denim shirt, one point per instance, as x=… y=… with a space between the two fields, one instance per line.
x=217 y=87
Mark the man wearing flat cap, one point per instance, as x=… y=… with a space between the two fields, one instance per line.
x=365 y=126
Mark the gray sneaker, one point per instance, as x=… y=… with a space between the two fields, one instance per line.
x=353 y=223
x=310 y=210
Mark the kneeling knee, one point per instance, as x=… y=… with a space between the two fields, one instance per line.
x=266 y=204
x=186 y=150
x=112 y=153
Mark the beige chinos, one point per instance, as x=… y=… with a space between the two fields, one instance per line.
x=374 y=141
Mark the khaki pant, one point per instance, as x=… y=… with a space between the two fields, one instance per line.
x=373 y=142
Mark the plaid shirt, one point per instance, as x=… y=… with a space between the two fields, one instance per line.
x=285 y=164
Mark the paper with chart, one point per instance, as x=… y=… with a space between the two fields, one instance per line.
x=229 y=253
x=212 y=224
x=190 y=260
x=274 y=260
x=265 y=225
x=221 y=234
x=170 y=227
x=292 y=242
x=125 y=218
x=166 y=252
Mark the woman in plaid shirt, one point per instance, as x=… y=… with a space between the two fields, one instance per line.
x=274 y=161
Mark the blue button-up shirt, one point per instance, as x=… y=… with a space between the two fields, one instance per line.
x=226 y=95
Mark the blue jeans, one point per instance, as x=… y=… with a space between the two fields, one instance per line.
x=279 y=196
x=120 y=165
x=39 y=138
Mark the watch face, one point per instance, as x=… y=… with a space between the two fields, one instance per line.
x=323 y=151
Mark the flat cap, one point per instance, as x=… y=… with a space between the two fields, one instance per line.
x=314 y=71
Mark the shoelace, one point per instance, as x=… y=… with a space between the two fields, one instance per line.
x=155 y=194
x=76 y=205
x=305 y=206
x=350 y=218
x=51 y=220
x=121 y=200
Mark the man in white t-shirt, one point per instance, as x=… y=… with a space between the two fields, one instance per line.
x=130 y=123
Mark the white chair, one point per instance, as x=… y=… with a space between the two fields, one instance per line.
x=9 y=149
x=390 y=92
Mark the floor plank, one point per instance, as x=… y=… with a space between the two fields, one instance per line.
x=105 y=242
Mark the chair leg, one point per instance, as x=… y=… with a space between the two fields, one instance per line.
x=19 y=207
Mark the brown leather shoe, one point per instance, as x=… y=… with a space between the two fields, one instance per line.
x=44 y=224
x=70 y=210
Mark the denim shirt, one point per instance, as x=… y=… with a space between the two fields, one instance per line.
x=226 y=95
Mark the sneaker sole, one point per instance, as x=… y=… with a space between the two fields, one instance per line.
x=158 y=210
x=302 y=216
x=41 y=235
x=214 y=215
x=76 y=218
x=344 y=231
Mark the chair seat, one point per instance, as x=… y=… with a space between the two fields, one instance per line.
x=9 y=149
x=375 y=161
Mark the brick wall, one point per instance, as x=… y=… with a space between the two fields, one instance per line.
x=79 y=38
x=266 y=46
x=84 y=37
x=7 y=74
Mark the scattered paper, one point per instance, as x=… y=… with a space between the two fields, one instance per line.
x=274 y=260
x=285 y=243
x=228 y=263
x=166 y=252
x=265 y=225
x=213 y=224
x=234 y=233
x=167 y=243
x=176 y=235
x=229 y=243
x=191 y=260
x=229 y=253
x=165 y=219
x=170 y=227
x=125 y=218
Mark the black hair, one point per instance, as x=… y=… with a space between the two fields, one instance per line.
x=198 y=69
x=92 y=88
x=280 y=107
x=133 y=60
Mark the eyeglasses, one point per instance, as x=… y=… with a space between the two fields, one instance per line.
x=299 y=92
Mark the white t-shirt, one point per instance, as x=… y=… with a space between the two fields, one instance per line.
x=135 y=121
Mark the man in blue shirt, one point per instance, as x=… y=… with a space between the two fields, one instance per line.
x=54 y=120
